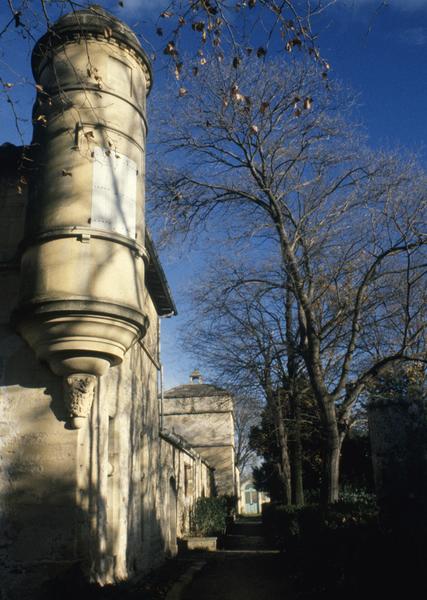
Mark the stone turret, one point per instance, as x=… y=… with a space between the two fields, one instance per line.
x=81 y=301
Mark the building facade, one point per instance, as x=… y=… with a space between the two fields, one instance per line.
x=250 y=499
x=203 y=413
x=89 y=482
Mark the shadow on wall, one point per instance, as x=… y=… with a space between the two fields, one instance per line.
x=55 y=533
x=62 y=512
x=39 y=516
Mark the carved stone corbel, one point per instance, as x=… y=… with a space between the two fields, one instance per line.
x=79 y=389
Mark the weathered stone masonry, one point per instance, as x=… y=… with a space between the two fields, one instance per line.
x=87 y=479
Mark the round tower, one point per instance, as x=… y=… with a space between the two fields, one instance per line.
x=82 y=292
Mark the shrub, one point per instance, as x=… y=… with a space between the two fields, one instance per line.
x=231 y=504
x=290 y=525
x=208 y=517
x=357 y=496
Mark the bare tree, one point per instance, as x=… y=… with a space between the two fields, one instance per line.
x=246 y=415
x=238 y=332
x=186 y=33
x=343 y=224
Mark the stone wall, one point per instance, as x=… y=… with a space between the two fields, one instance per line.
x=108 y=499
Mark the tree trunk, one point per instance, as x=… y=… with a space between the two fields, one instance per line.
x=332 y=455
x=294 y=401
x=296 y=465
x=285 y=465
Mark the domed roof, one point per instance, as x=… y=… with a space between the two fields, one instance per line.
x=95 y=20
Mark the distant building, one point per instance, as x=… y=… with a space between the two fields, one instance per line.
x=203 y=413
x=251 y=501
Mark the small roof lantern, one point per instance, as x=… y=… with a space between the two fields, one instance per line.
x=195 y=376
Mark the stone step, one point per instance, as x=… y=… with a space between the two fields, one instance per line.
x=251 y=529
x=244 y=542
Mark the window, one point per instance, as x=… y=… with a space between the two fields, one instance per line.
x=188 y=480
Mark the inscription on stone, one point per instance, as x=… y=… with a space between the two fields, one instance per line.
x=114 y=192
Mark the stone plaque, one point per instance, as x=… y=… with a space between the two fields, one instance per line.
x=114 y=192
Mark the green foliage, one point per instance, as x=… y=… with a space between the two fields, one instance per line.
x=356 y=462
x=357 y=497
x=230 y=503
x=208 y=517
x=264 y=441
x=343 y=552
x=289 y=525
x=405 y=382
x=398 y=421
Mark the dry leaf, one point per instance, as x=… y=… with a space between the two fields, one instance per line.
x=170 y=49
x=253 y=129
x=166 y=14
x=178 y=69
x=308 y=103
x=182 y=91
x=295 y=101
x=263 y=107
x=198 y=26
x=66 y=173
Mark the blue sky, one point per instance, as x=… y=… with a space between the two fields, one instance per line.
x=380 y=53
x=383 y=58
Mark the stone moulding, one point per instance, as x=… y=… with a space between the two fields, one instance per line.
x=79 y=336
